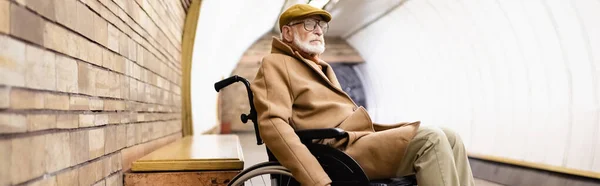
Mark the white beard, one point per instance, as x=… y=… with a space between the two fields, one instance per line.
x=307 y=47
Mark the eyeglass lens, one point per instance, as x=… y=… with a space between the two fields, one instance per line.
x=311 y=25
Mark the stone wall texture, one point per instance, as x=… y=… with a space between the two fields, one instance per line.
x=86 y=87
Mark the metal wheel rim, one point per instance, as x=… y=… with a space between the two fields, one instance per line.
x=262 y=171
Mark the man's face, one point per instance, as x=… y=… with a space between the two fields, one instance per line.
x=308 y=34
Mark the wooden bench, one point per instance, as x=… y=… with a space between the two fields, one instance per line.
x=195 y=160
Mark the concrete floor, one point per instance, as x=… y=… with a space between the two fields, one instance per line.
x=254 y=154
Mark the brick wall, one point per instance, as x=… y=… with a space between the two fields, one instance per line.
x=86 y=87
x=234 y=101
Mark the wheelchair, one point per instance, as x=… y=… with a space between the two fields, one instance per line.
x=341 y=168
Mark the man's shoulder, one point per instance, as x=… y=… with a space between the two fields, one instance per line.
x=276 y=59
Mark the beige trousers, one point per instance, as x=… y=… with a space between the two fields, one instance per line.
x=438 y=158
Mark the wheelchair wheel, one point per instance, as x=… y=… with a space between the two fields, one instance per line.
x=264 y=174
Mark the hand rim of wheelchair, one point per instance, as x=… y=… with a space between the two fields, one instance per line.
x=270 y=167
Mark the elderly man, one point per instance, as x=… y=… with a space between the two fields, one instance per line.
x=294 y=89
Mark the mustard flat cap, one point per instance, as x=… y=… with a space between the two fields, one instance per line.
x=299 y=11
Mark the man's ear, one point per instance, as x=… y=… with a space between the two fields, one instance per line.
x=286 y=32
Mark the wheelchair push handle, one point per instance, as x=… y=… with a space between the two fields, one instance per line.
x=226 y=82
x=244 y=117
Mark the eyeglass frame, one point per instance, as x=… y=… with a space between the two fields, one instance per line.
x=314 y=27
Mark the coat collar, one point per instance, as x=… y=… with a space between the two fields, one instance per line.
x=279 y=47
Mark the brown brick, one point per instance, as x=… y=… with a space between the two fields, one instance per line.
x=124 y=86
x=125 y=116
x=124 y=45
x=40 y=72
x=5 y=168
x=12 y=61
x=87 y=78
x=56 y=101
x=26 y=25
x=91 y=172
x=95 y=54
x=12 y=123
x=140 y=132
x=131 y=131
x=115 y=85
x=66 y=74
x=66 y=12
x=4 y=97
x=101 y=119
x=96 y=143
x=108 y=59
x=79 y=103
x=110 y=138
x=114 y=118
x=96 y=104
x=58 y=154
x=67 y=121
x=133 y=89
x=141 y=91
x=37 y=122
x=51 y=181
x=115 y=180
x=140 y=51
x=136 y=72
x=103 y=83
x=86 y=120
x=141 y=118
x=45 y=8
x=132 y=53
x=121 y=136
x=4 y=18
x=113 y=38
x=101 y=27
x=83 y=47
x=114 y=105
x=28 y=155
x=79 y=146
x=25 y=99
x=54 y=37
x=68 y=178
x=120 y=63
x=85 y=21
x=73 y=41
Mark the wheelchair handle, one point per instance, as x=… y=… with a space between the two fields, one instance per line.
x=244 y=117
x=226 y=82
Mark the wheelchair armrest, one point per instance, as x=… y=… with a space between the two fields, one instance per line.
x=310 y=134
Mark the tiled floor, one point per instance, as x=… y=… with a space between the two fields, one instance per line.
x=254 y=154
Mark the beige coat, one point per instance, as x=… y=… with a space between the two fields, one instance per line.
x=293 y=93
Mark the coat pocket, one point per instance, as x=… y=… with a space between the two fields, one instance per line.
x=358 y=121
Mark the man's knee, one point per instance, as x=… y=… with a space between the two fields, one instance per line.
x=453 y=137
x=432 y=133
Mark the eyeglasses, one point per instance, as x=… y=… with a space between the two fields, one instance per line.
x=311 y=24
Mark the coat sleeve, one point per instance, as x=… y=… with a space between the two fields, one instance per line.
x=273 y=100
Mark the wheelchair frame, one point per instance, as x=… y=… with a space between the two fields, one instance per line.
x=341 y=168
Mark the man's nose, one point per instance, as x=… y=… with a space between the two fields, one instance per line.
x=318 y=31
